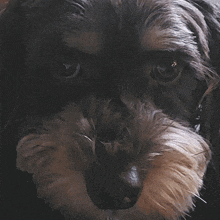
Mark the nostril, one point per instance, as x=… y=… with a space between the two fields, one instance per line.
x=110 y=190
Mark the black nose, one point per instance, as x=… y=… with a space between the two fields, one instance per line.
x=108 y=190
x=111 y=186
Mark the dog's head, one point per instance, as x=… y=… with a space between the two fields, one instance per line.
x=113 y=101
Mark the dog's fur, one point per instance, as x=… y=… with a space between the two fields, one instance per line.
x=112 y=88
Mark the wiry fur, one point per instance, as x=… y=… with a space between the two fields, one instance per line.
x=173 y=156
x=164 y=129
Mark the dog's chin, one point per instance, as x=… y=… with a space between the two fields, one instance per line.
x=170 y=157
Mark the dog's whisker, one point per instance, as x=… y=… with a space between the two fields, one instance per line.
x=185 y=214
x=83 y=136
x=158 y=204
x=92 y=124
x=86 y=137
x=201 y=152
x=197 y=196
x=151 y=155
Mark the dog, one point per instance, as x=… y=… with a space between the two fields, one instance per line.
x=112 y=106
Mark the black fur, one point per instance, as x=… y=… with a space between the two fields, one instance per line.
x=28 y=90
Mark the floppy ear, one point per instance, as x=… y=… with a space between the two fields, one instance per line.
x=211 y=12
x=16 y=23
x=12 y=55
x=14 y=28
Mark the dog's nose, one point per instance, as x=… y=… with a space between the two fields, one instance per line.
x=109 y=190
x=110 y=185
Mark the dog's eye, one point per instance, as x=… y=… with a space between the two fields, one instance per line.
x=166 y=72
x=66 y=71
x=71 y=70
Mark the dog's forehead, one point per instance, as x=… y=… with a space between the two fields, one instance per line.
x=88 y=42
x=145 y=24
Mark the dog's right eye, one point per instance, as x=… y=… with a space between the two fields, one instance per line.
x=71 y=70
x=67 y=71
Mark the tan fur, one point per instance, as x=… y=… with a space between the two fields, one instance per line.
x=173 y=157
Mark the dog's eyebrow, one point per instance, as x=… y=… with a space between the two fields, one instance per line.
x=157 y=55
x=159 y=40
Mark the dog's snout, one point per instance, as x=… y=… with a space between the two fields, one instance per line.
x=109 y=189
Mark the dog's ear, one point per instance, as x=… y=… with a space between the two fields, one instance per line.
x=211 y=12
x=11 y=50
x=15 y=21
x=212 y=17
x=12 y=56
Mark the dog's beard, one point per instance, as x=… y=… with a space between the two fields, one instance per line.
x=171 y=157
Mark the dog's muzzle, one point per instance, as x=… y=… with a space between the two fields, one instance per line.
x=112 y=181
x=119 y=156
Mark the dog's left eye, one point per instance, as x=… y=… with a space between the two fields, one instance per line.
x=167 y=72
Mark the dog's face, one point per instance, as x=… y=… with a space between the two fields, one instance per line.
x=108 y=97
